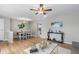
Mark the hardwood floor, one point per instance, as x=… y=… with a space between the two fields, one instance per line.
x=19 y=45
x=65 y=45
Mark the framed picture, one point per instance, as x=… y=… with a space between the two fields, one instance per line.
x=56 y=26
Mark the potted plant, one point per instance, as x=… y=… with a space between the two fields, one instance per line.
x=21 y=26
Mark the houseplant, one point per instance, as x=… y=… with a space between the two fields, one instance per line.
x=21 y=26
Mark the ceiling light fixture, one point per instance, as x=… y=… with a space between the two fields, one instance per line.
x=41 y=10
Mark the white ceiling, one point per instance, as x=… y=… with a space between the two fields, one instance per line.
x=23 y=10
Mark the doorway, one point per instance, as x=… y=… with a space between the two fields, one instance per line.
x=39 y=29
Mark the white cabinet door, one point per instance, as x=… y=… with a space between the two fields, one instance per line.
x=1 y=29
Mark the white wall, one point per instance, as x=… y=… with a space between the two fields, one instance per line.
x=70 y=28
x=1 y=29
x=34 y=27
x=14 y=25
x=45 y=25
x=6 y=27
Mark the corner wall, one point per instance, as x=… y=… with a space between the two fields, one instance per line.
x=70 y=26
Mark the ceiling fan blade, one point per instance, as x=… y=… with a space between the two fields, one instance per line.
x=44 y=13
x=36 y=13
x=48 y=10
x=33 y=9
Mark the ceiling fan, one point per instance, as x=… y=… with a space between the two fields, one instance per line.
x=41 y=10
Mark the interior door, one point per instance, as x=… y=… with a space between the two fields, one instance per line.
x=1 y=29
x=39 y=27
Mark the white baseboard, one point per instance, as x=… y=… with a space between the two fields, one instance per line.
x=10 y=41
x=68 y=42
x=4 y=40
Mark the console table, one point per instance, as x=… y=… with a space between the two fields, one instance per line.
x=61 y=36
